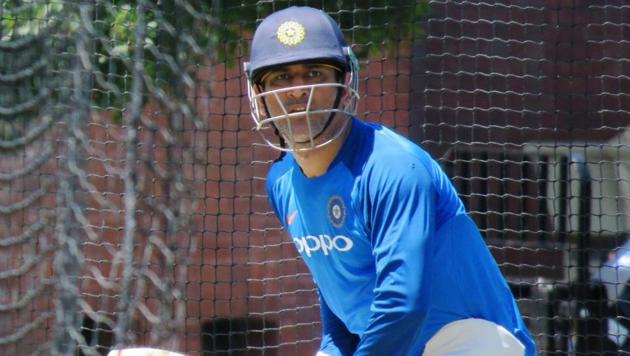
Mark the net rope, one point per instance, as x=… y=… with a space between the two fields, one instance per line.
x=133 y=208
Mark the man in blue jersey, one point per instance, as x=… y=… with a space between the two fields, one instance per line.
x=400 y=267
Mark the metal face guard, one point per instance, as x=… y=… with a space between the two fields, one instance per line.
x=283 y=123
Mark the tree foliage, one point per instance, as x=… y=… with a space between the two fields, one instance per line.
x=183 y=34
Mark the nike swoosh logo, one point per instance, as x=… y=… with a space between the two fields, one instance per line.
x=291 y=217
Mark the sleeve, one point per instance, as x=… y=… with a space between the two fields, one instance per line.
x=271 y=193
x=336 y=339
x=401 y=215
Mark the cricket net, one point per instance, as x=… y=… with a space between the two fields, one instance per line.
x=132 y=200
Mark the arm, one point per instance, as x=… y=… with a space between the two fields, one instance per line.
x=401 y=216
x=336 y=339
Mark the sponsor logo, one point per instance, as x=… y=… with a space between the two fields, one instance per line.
x=290 y=33
x=336 y=211
x=291 y=217
x=307 y=245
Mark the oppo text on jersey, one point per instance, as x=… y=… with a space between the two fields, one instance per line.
x=309 y=244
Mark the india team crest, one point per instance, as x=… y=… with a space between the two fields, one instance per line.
x=336 y=211
x=291 y=33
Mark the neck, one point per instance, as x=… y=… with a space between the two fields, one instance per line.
x=315 y=163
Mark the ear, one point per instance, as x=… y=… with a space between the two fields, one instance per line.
x=261 y=104
x=347 y=77
x=258 y=88
x=262 y=109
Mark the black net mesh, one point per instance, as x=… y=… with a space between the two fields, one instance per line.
x=132 y=200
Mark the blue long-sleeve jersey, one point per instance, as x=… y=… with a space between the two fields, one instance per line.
x=390 y=247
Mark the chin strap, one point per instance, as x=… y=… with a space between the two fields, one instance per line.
x=332 y=114
x=340 y=78
x=282 y=142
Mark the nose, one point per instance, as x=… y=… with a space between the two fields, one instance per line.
x=298 y=93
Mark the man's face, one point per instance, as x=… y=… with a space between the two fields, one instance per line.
x=295 y=100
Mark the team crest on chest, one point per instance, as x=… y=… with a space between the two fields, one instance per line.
x=336 y=211
x=290 y=33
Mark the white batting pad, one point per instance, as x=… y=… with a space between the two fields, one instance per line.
x=473 y=337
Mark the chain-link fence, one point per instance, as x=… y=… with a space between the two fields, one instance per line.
x=132 y=200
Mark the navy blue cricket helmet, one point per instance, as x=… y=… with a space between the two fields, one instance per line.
x=300 y=35
x=297 y=34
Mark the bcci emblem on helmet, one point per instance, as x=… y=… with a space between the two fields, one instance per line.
x=290 y=33
x=336 y=211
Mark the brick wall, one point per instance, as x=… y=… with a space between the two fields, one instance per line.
x=522 y=71
x=503 y=74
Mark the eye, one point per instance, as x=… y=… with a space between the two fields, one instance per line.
x=281 y=77
x=276 y=79
x=314 y=73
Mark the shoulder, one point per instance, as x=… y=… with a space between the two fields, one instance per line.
x=393 y=157
x=389 y=143
x=278 y=170
x=396 y=169
x=280 y=167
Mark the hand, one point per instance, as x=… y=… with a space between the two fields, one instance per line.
x=142 y=351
